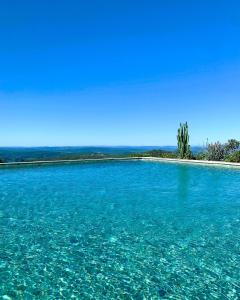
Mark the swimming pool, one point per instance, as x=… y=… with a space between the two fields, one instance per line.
x=120 y=230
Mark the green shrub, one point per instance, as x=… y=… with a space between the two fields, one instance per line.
x=156 y=153
x=231 y=146
x=215 y=151
x=200 y=156
x=233 y=157
x=162 y=154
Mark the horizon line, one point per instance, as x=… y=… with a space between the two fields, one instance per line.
x=69 y=146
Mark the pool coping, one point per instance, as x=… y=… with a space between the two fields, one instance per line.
x=43 y=162
x=149 y=158
x=195 y=162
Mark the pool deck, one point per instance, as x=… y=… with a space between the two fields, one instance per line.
x=167 y=160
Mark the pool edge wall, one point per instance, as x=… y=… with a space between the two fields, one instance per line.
x=157 y=159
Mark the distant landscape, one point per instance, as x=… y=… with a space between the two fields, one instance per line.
x=18 y=154
x=11 y=154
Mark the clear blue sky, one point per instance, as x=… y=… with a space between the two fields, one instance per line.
x=120 y=72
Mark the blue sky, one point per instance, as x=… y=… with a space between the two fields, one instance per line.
x=118 y=72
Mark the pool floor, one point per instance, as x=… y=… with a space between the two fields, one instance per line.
x=120 y=230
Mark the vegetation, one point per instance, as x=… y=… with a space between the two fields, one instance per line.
x=223 y=152
x=183 y=141
x=229 y=151
x=156 y=153
x=233 y=157
x=215 y=151
x=231 y=146
x=200 y=156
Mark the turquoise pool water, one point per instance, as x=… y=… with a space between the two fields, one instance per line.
x=120 y=230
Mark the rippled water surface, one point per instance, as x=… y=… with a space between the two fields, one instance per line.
x=119 y=230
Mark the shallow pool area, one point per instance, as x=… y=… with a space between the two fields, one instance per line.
x=120 y=230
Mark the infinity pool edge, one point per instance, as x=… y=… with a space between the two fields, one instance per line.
x=167 y=160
